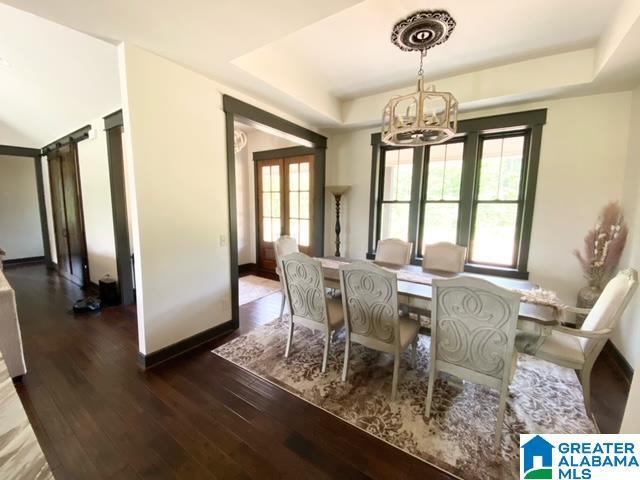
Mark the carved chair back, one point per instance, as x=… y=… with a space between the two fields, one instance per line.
x=444 y=256
x=304 y=283
x=474 y=327
x=394 y=250
x=370 y=302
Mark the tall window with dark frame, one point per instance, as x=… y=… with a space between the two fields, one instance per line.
x=476 y=190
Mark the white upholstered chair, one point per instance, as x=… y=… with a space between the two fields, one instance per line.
x=284 y=246
x=309 y=305
x=370 y=301
x=444 y=256
x=472 y=336
x=394 y=250
x=579 y=349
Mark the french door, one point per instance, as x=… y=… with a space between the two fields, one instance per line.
x=284 y=193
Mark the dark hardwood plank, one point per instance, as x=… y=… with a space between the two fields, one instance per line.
x=196 y=416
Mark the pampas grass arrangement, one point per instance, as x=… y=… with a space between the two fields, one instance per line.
x=603 y=246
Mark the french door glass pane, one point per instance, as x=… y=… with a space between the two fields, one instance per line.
x=440 y=223
x=266 y=230
x=494 y=233
x=304 y=177
x=304 y=205
x=398 y=170
x=266 y=204
x=394 y=221
x=293 y=205
x=293 y=177
x=501 y=168
x=275 y=204
x=304 y=232
x=275 y=178
x=270 y=203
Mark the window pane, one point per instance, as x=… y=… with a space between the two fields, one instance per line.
x=511 y=171
x=266 y=179
x=275 y=204
x=394 y=221
x=440 y=223
x=445 y=171
x=398 y=170
x=293 y=205
x=304 y=176
x=294 y=231
x=266 y=229
x=266 y=204
x=304 y=205
x=275 y=178
x=293 y=176
x=501 y=168
x=275 y=229
x=494 y=233
x=304 y=233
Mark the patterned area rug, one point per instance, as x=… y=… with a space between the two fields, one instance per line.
x=458 y=438
x=251 y=288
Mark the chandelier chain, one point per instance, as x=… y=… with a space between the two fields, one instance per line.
x=423 y=55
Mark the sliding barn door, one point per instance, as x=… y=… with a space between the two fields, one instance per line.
x=66 y=202
x=284 y=192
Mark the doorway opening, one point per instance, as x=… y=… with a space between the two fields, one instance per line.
x=276 y=187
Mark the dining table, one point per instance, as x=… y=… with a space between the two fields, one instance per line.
x=536 y=320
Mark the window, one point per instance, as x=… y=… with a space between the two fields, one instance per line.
x=441 y=194
x=476 y=190
x=498 y=201
x=395 y=200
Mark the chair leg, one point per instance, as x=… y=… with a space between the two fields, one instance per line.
x=345 y=368
x=396 y=373
x=585 y=380
x=325 y=357
x=432 y=381
x=414 y=353
x=503 y=405
x=289 y=338
x=282 y=305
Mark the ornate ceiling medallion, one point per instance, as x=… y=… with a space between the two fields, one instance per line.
x=426 y=117
x=239 y=140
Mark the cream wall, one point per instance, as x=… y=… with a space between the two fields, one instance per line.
x=175 y=136
x=582 y=167
x=627 y=337
x=257 y=141
x=96 y=203
x=20 y=230
x=175 y=131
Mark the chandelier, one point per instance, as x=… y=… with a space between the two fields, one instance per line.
x=239 y=140
x=425 y=117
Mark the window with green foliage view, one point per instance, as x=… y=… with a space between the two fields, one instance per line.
x=476 y=190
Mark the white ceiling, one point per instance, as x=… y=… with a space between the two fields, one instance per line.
x=57 y=79
x=352 y=55
x=331 y=63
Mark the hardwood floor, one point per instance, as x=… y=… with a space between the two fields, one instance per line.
x=196 y=416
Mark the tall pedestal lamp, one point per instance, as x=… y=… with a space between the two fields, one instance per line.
x=337 y=191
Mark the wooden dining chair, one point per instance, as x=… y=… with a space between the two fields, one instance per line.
x=472 y=336
x=444 y=256
x=308 y=302
x=394 y=250
x=579 y=348
x=284 y=246
x=370 y=302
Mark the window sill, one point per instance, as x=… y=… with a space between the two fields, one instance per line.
x=497 y=271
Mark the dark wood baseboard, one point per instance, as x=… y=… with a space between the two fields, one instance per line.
x=154 y=358
x=23 y=261
x=622 y=362
x=247 y=269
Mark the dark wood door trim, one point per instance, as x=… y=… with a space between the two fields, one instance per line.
x=250 y=114
x=115 y=151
